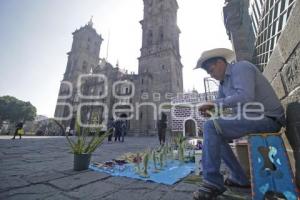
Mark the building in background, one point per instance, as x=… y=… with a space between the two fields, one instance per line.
x=186 y=119
x=105 y=88
x=268 y=19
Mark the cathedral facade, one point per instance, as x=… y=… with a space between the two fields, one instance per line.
x=93 y=91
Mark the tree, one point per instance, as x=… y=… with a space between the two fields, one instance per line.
x=15 y=110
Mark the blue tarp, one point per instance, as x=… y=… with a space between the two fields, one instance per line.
x=170 y=174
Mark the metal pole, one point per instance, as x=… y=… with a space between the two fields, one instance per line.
x=205 y=88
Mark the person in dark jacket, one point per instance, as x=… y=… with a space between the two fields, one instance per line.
x=118 y=129
x=162 y=126
x=110 y=124
x=19 y=130
x=123 y=130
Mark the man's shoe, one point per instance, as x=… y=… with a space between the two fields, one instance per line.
x=230 y=183
x=207 y=192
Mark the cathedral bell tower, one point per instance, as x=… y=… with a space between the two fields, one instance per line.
x=160 y=67
x=82 y=59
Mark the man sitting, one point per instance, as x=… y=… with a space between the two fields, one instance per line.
x=256 y=109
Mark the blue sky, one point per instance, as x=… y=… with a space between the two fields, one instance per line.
x=37 y=34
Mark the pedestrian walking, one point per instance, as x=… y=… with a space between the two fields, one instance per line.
x=161 y=127
x=118 y=129
x=110 y=125
x=19 y=130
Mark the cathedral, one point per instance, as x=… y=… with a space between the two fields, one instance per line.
x=93 y=91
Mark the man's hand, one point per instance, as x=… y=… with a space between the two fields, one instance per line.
x=206 y=107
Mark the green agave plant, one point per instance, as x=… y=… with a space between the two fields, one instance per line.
x=154 y=160
x=180 y=142
x=83 y=145
x=137 y=160
x=145 y=163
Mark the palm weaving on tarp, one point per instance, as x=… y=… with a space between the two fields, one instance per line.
x=169 y=175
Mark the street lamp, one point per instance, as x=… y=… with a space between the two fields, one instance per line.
x=206 y=85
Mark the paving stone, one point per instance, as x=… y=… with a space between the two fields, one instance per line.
x=58 y=196
x=16 y=172
x=163 y=187
x=185 y=187
x=77 y=180
x=54 y=178
x=69 y=171
x=127 y=194
x=154 y=195
x=140 y=185
x=120 y=181
x=11 y=182
x=172 y=195
x=38 y=191
x=94 y=190
x=43 y=177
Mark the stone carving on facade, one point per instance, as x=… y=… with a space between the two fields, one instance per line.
x=233 y=15
x=291 y=71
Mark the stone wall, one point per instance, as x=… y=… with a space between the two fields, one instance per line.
x=185 y=108
x=238 y=26
x=283 y=68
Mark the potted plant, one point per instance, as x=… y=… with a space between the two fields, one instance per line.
x=82 y=147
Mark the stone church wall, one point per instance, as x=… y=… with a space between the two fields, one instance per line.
x=283 y=68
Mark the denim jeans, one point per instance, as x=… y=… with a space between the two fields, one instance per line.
x=216 y=147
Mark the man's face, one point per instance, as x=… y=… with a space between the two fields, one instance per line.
x=217 y=70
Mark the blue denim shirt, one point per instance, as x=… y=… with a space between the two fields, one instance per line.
x=244 y=83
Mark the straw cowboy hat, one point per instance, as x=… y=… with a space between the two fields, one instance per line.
x=218 y=52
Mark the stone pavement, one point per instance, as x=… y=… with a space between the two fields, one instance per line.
x=41 y=168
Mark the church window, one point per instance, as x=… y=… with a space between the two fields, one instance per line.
x=89 y=39
x=150 y=37
x=141 y=115
x=142 y=81
x=84 y=67
x=163 y=66
x=161 y=34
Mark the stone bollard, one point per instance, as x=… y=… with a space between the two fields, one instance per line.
x=293 y=134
